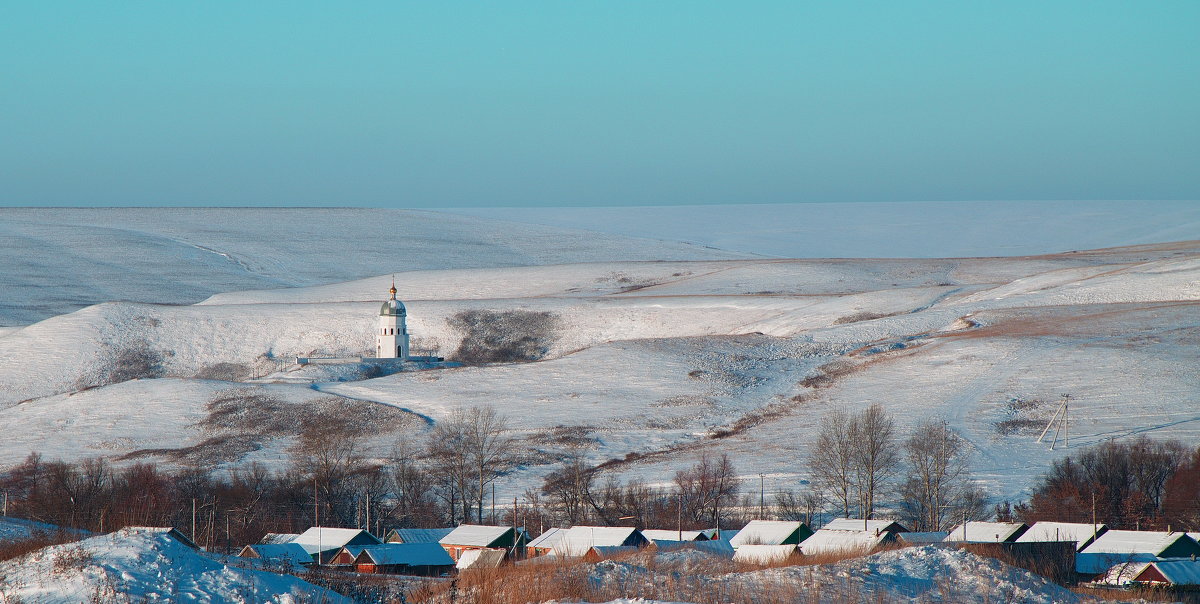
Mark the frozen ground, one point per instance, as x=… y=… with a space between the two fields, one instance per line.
x=645 y=363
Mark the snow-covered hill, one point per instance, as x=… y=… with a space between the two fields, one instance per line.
x=654 y=359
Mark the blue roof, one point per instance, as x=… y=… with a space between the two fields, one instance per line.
x=416 y=535
x=410 y=554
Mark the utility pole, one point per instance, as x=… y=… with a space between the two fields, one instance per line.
x=762 y=495
x=493 y=504
x=317 y=522
x=679 y=515
x=193 y=520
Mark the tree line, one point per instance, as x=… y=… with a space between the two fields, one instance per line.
x=859 y=466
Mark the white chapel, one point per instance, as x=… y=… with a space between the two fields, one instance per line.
x=391 y=338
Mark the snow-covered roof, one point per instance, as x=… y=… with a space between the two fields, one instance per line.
x=322 y=538
x=669 y=535
x=923 y=538
x=766 y=532
x=827 y=541
x=417 y=535
x=1116 y=547
x=278 y=538
x=284 y=552
x=986 y=532
x=764 y=554
x=1177 y=572
x=857 y=524
x=1078 y=532
x=548 y=539
x=480 y=558
x=475 y=535
x=577 y=540
x=411 y=554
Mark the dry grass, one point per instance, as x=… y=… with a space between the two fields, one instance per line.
x=1141 y=594
x=640 y=575
x=15 y=548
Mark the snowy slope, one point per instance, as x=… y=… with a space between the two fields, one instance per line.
x=658 y=358
x=146 y=566
x=60 y=259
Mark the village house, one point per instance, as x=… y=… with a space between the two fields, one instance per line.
x=676 y=535
x=468 y=537
x=1171 y=572
x=765 y=554
x=545 y=542
x=597 y=553
x=323 y=543
x=416 y=535
x=873 y=526
x=1123 y=548
x=270 y=538
x=833 y=541
x=421 y=559
x=481 y=559
x=771 y=532
x=1047 y=532
x=986 y=532
x=280 y=553
x=577 y=540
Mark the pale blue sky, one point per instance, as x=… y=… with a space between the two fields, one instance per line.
x=444 y=104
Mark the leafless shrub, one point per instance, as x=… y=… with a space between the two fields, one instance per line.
x=225 y=372
x=132 y=361
x=71 y=558
x=685 y=400
x=504 y=337
x=863 y=316
x=827 y=374
x=14 y=548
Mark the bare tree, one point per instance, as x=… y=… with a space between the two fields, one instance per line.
x=938 y=488
x=569 y=487
x=706 y=486
x=470 y=450
x=875 y=455
x=832 y=460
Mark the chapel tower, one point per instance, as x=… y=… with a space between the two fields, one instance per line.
x=391 y=337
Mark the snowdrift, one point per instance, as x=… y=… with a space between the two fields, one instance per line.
x=144 y=566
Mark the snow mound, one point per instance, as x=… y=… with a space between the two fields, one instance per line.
x=922 y=574
x=146 y=566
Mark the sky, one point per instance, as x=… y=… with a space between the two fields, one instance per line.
x=460 y=104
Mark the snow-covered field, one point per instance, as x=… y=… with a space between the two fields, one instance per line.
x=655 y=348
